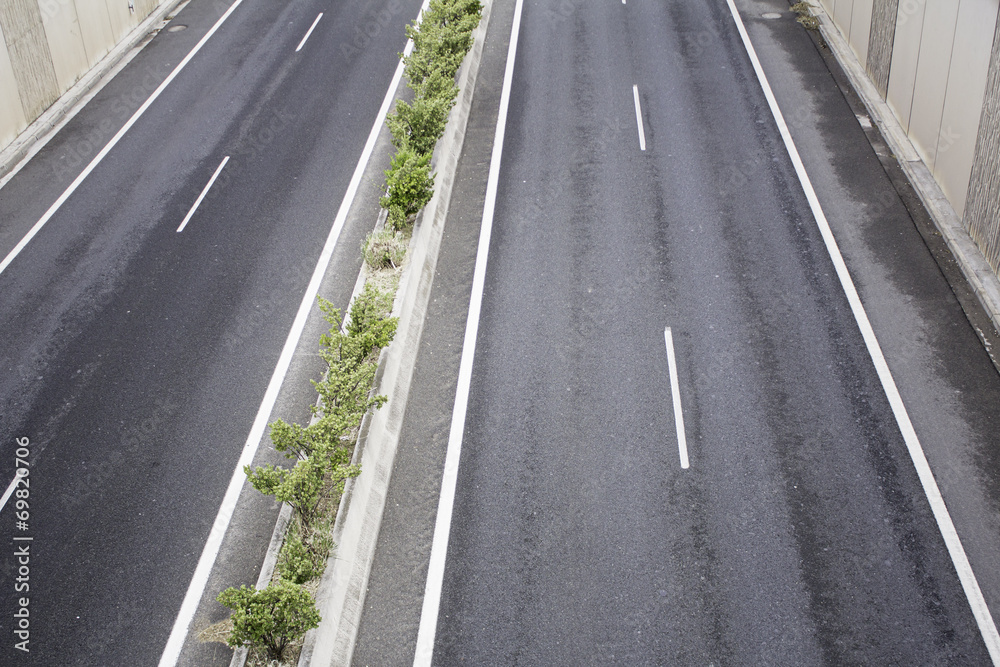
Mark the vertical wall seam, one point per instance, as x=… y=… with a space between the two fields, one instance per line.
x=916 y=70
x=850 y=21
x=86 y=51
x=947 y=81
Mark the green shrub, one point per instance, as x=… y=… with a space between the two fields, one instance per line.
x=300 y=486
x=370 y=323
x=409 y=184
x=270 y=618
x=294 y=440
x=420 y=63
x=303 y=560
x=384 y=250
x=419 y=126
x=344 y=393
x=443 y=37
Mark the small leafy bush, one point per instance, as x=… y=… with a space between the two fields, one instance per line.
x=300 y=487
x=409 y=184
x=443 y=37
x=370 y=322
x=303 y=560
x=418 y=127
x=270 y=618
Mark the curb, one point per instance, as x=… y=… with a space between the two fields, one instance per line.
x=41 y=130
x=342 y=589
x=267 y=570
x=241 y=654
x=977 y=271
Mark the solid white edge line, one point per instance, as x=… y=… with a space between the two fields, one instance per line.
x=675 y=393
x=638 y=118
x=442 y=526
x=197 y=202
x=308 y=32
x=987 y=626
x=211 y=551
x=114 y=140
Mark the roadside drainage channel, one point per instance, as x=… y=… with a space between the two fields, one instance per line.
x=342 y=588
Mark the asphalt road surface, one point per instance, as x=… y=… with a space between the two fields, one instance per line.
x=133 y=357
x=644 y=185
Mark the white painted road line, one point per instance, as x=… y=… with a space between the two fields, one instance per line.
x=638 y=118
x=114 y=140
x=675 y=392
x=442 y=525
x=309 y=32
x=10 y=489
x=206 y=562
x=197 y=202
x=987 y=627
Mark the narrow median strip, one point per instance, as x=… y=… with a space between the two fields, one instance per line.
x=269 y=620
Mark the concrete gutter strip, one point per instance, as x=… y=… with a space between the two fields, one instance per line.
x=342 y=590
x=42 y=129
x=975 y=268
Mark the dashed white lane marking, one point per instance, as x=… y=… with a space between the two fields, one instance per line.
x=114 y=140
x=197 y=202
x=638 y=117
x=675 y=393
x=308 y=32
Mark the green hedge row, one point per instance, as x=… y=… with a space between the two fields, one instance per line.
x=440 y=42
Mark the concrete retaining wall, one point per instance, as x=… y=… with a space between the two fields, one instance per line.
x=47 y=45
x=936 y=63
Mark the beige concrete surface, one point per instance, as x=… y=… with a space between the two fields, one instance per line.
x=861 y=27
x=49 y=45
x=963 y=99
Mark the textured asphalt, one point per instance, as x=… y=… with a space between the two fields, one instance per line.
x=800 y=534
x=134 y=357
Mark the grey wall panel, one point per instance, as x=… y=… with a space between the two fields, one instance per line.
x=29 y=55
x=982 y=210
x=883 y=31
x=12 y=119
